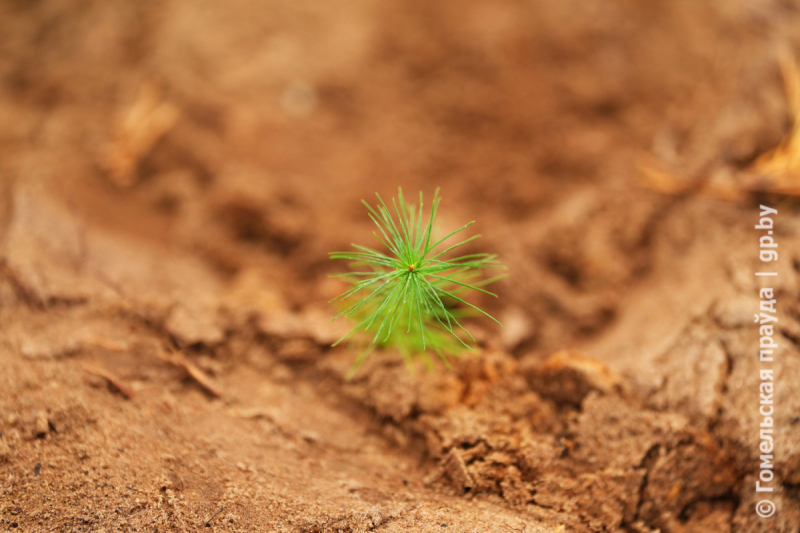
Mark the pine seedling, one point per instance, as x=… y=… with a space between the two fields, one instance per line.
x=412 y=293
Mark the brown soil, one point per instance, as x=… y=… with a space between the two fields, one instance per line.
x=173 y=174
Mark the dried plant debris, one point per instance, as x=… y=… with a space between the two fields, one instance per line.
x=180 y=360
x=137 y=131
x=776 y=171
x=114 y=383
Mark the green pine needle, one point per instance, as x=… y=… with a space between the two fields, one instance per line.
x=411 y=293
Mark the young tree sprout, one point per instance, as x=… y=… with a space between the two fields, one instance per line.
x=412 y=295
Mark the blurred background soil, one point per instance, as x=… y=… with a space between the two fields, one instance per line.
x=174 y=173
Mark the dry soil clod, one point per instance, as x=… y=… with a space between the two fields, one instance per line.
x=568 y=376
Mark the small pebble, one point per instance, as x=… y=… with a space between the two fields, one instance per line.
x=42 y=425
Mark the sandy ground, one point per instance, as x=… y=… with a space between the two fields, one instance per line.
x=173 y=175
